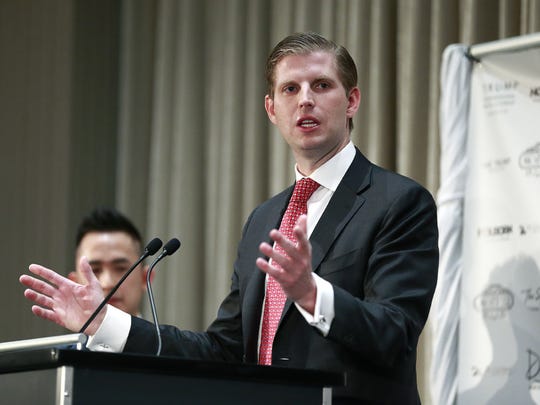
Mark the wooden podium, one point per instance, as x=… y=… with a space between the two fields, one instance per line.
x=55 y=375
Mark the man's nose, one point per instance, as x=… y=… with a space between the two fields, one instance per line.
x=306 y=97
x=106 y=280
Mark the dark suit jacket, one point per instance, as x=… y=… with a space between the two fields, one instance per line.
x=376 y=243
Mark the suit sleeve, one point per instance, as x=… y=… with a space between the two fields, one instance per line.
x=383 y=320
x=222 y=341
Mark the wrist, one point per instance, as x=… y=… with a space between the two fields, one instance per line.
x=308 y=301
x=96 y=323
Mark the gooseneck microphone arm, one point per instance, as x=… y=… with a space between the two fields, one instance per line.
x=150 y=249
x=169 y=248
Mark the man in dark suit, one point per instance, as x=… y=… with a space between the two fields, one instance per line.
x=358 y=267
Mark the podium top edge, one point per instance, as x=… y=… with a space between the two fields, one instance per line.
x=73 y=340
x=33 y=359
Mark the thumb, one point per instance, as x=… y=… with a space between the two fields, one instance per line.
x=85 y=270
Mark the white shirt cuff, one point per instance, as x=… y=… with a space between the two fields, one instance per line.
x=113 y=332
x=324 y=306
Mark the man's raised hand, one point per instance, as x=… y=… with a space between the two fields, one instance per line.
x=63 y=301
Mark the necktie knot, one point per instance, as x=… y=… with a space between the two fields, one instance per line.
x=303 y=189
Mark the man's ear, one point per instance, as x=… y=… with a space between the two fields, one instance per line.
x=269 y=107
x=73 y=276
x=354 y=101
x=143 y=276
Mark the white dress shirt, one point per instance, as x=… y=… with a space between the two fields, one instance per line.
x=329 y=175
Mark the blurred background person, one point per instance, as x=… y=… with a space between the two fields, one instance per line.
x=112 y=244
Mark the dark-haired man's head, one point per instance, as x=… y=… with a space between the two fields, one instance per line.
x=111 y=243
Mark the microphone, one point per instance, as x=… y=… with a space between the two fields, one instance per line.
x=169 y=248
x=150 y=249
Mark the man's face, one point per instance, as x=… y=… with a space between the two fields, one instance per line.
x=111 y=254
x=311 y=108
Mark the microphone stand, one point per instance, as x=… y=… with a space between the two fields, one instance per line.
x=169 y=248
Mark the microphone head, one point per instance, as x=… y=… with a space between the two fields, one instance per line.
x=153 y=246
x=171 y=247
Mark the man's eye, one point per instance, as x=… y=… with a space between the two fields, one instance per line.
x=323 y=85
x=289 y=89
x=120 y=269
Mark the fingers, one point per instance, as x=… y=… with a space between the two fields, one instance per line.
x=45 y=304
x=48 y=274
x=265 y=266
x=291 y=265
x=300 y=232
x=37 y=285
x=59 y=299
x=40 y=299
x=85 y=270
x=302 y=245
x=43 y=292
x=292 y=258
x=47 y=314
x=88 y=276
x=274 y=254
x=291 y=252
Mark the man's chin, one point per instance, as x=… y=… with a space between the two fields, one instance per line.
x=118 y=304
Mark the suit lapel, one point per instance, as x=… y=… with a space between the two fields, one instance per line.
x=344 y=204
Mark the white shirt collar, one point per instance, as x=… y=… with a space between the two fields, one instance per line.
x=329 y=175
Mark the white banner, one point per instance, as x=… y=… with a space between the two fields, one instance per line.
x=454 y=111
x=499 y=338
